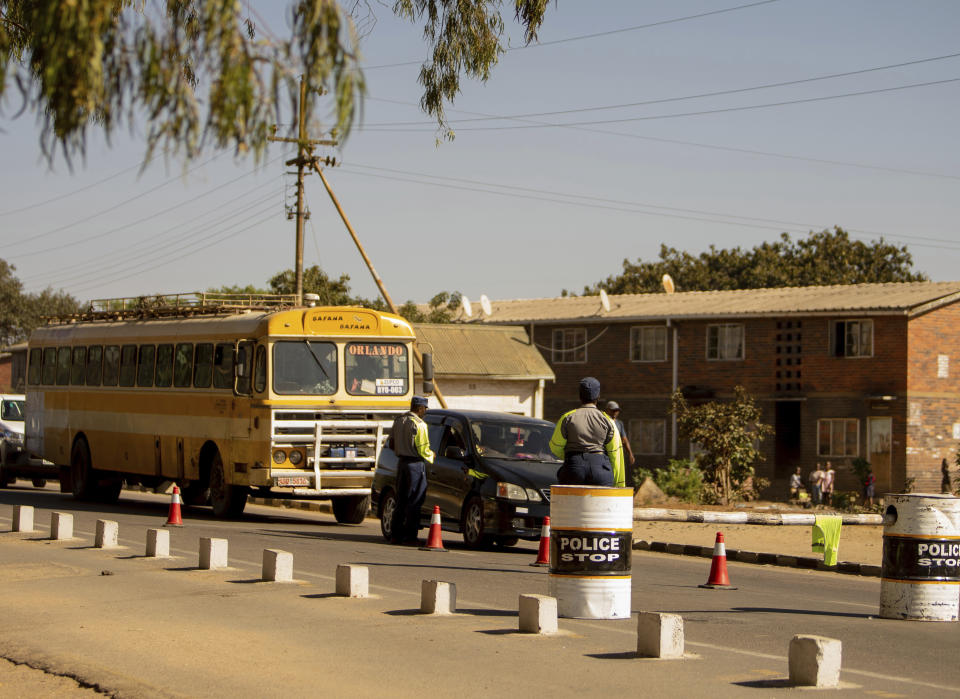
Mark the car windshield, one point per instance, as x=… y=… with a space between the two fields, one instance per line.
x=376 y=369
x=304 y=367
x=12 y=410
x=520 y=440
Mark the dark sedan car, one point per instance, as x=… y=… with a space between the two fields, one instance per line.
x=491 y=476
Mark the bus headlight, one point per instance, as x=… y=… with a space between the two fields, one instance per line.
x=279 y=456
x=296 y=456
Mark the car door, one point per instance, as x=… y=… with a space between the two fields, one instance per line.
x=450 y=474
x=434 y=489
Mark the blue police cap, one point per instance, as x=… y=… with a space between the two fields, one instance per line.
x=418 y=401
x=589 y=389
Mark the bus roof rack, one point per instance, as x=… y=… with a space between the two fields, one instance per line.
x=194 y=303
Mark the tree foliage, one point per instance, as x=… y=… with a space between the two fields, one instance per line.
x=20 y=313
x=200 y=72
x=827 y=257
x=730 y=434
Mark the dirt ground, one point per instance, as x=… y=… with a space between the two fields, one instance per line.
x=21 y=681
x=858 y=543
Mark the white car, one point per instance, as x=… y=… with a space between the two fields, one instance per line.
x=14 y=460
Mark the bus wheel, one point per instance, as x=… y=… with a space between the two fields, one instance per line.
x=108 y=491
x=227 y=500
x=81 y=473
x=350 y=509
x=6 y=480
x=196 y=493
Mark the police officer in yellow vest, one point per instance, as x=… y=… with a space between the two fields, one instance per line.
x=408 y=440
x=588 y=442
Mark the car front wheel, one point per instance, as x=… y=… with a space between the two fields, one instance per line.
x=473 y=524
x=388 y=509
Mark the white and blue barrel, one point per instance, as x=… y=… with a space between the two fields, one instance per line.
x=591 y=537
x=920 y=575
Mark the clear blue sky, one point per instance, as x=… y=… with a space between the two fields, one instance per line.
x=526 y=212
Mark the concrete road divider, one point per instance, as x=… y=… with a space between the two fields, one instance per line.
x=213 y=553
x=438 y=597
x=61 y=526
x=108 y=534
x=814 y=661
x=158 y=543
x=277 y=566
x=23 y=518
x=353 y=581
x=538 y=614
x=659 y=635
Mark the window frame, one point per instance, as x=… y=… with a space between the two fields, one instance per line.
x=145 y=372
x=203 y=365
x=183 y=378
x=127 y=378
x=721 y=341
x=111 y=365
x=636 y=435
x=831 y=447
x=93 y=371
x=846 y=322
x=642 y=330
x=165 y=379
x=224 y=371
x=558 y=354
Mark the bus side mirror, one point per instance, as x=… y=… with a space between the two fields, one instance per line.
x=426 y=363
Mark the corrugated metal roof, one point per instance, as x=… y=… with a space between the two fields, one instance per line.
x=906 y=298
x=491 y=351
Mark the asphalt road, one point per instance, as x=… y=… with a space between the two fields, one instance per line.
x=133 y=626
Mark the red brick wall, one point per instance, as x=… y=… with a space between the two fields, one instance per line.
x=5 y=367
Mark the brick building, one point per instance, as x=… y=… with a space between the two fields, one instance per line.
x=870 y=370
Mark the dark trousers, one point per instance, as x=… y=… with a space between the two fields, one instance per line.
x=586 y=468
x=411 y=492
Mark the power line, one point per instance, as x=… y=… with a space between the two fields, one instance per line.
x=666 y=100
x=597 y=35
x=683 y=114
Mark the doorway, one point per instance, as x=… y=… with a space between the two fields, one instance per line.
x=788 y=442
x=879 y=433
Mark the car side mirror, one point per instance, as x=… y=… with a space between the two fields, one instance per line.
x=455 y=453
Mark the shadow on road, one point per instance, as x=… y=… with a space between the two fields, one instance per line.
x=436 y=567
x=774 y=610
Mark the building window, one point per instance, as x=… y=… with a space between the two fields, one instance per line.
x=838 y=437
x=570 y=346
x=649 y=436
x=725 y=342
x=648 y=343
x=852 y=338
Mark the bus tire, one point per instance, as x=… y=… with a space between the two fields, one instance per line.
x=81 y=471
x=6 y=480
x=227 y=500
x=108 y=491
x=196 y=493
x=350 y=509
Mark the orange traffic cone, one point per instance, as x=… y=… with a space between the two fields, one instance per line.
x=174 y=519
x=434 y=541
x=543 y=555
x=719 y=579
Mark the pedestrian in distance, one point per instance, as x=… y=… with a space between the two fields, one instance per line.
x=612 y=409
x=869 y=485
x=826 y=486
x=816 y=483
x=409 y=441
x=796 y=484
x=946 y=486
x=588 y=442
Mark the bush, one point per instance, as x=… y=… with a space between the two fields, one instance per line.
x=681 y=479
x=845 y=500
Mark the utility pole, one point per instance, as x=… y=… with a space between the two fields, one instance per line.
x=304 y=159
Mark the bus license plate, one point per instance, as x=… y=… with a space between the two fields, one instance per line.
x=292 y=480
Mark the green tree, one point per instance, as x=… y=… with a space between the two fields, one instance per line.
x=199 y=72
x=823 y=258
x=20 y=313
x=730 y=434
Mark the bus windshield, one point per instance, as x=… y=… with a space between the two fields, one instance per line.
x=376 y=368
x=12 y=410
x=304 y=367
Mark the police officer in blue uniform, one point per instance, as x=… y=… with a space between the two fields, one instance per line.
x=588 y=442
x=409 y=441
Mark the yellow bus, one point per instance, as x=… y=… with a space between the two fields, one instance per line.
x=224 y=395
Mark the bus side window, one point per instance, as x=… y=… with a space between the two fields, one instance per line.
x=111 y=365
x=128 y=365
x=244 y=363
x=94 y=365
x=36 y=359
x=203 y=365
x=260 y=370
x=63 y=366
x=49 y=366
x=183 y=365
x=79 y=365
x=148 y=354
x=223 y=365
x=164 y=366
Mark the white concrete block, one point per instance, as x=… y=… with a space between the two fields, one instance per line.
x=438 y=597
x=158 y=543
x=108 y=534
x=538 y=614
x=659 y=635
x=61 y=526
x=22 y=518
x=213 y=553
x=815 y=661
x=353 y=581
x=277 y=566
